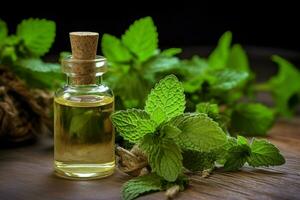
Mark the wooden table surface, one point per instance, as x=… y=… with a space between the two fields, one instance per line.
x=26 y=173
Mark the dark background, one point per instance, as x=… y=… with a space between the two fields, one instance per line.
x=181 y=24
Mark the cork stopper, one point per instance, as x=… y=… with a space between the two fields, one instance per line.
x=84 y=47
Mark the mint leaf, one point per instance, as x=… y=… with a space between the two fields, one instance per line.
x=237 y=157
x=238 y=59
x=8 y=54
x=36 y=64
x=285 y=86
x=160 y=64
x=259 y=153
x=132 y=89
x=238 y=151
x=171 y=52
x=219 y=57
x=264 y=153
x=133 y=124
x=37 y=34
x=48 y=78
x=141 y=185
x=194 y=73
x=199 y=132
x=114 y=50
x=242 y=140
x=12 y=40
x=169 y=131
x=166 y=100
x=222 y=152
x=3 y=31
x=225 y=80
x=252 y=119
x=141 y=38
x=211 y=109
x=164 y=156
x=198 y=161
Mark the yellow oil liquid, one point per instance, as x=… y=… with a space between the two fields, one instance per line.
x=83 y=137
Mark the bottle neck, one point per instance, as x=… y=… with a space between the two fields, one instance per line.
x=78 y=80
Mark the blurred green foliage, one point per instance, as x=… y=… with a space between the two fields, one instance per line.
x=224 y=79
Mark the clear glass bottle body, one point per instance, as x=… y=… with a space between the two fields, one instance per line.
x=83 y=132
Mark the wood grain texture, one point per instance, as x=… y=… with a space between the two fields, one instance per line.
x=26 y=173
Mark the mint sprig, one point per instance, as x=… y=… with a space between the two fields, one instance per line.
x=140 y=185
x=136 y=63
x=173 y=140
x=21 y=52
x=258 y=153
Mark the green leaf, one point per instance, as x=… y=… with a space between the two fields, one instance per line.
x=12 y=40
x=3 y=31
x=169 y=131
x=237 y=157
x=141 y=38
x=164 y=156
x=49 y=79
x=194 y=73
x=132 y=89
x=114 y=50
x=222 y=153
x=37 y=34
x=141 y=185
x=133 y=124
x=8 y=55
x=242 y=140
x=252 y=119
x=219 y=57
x=225 y=80
x=171 y=52
x=235 y=153
x=284 y=86
x=265 y=154
x=238 y=59
x=166 y=100
x=211 y=109
x=36 y=64
x=199 y=132
x=198 y=161
x=157 y=65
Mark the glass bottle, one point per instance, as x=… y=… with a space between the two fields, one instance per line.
x=83 y=131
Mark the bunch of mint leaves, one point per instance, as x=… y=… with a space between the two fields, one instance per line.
x=223 y=80
x=21 y=52
x=135 y=61
x=174 y=141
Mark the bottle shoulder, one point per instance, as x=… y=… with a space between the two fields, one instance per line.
x=70 y=90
